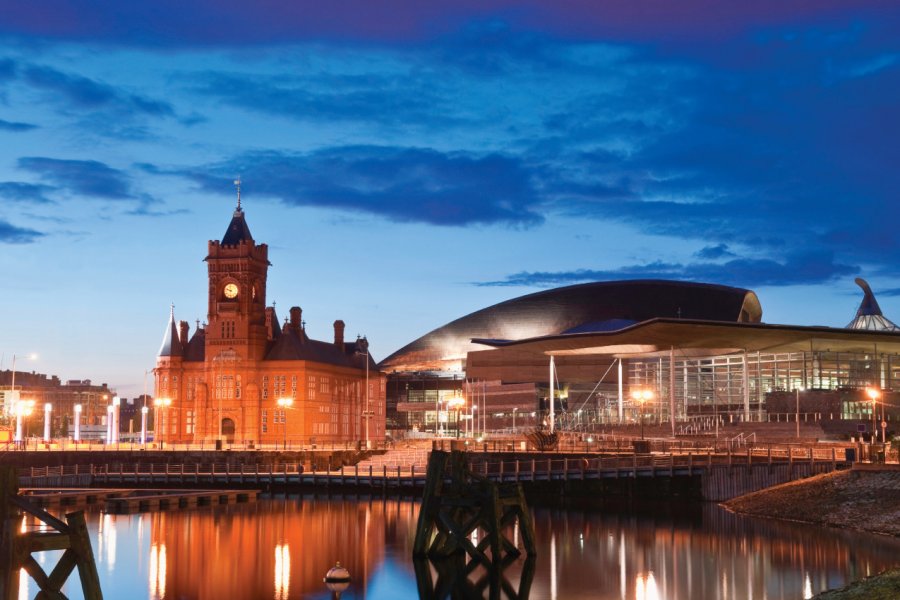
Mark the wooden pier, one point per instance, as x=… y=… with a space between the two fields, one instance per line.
x=722 y=475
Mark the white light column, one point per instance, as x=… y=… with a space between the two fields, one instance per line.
x=115 y=420
x=552 y=393
x=47 y=409
x=144 y=411
x=20 y=410
x=77 y=435
x=109 y=420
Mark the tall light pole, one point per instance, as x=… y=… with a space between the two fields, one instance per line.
x=456 y=402
x=515 y=408
x=109 y=419
x=642 y=396
x=873 y=395
x=77 y=436
x=797 y=411
x=47 y=409
x=284 y=403
x=367 y=413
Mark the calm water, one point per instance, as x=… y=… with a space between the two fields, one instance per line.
x=280 y=549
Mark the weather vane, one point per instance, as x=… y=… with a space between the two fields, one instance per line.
x=237 y=182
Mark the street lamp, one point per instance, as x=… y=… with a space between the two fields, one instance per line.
x=642 y=396
x=284 y=403
x=77 y=436
x=797 y=410
x=115 y=419
x=47 y=409
x=455 y=402
x=158 y=425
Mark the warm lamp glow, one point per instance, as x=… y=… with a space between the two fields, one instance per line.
x=873 y=394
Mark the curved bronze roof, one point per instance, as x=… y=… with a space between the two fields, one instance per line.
x=589 y=307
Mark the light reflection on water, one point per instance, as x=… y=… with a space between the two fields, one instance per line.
x=280 y=549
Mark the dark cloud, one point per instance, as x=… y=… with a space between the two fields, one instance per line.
x=800 y=269
x=716 y=252
x=17 y=191
x=183 y=24
x=81 y=177
x=11 y=234
x=400 y=184
x=15 y=126
x=87 y=93
x=392 y=100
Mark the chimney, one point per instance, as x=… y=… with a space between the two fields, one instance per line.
x=339 y=334
x=183 y=329
x=296 y=315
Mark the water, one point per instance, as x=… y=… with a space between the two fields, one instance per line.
x=280 y=549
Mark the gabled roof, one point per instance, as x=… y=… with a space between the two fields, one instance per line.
x=196 y=348
x=171 y=345
x=294 y=344
x=237 y=231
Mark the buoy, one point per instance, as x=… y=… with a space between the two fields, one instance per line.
x=337 y=579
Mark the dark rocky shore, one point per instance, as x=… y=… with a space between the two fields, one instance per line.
x=861 y=499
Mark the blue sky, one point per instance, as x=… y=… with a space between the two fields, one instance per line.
x=411 y=162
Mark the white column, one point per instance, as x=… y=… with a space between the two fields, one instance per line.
x=745 y=385
x=672 y=388
x=144 y=411
x=47 y=408
x=621 y=393
x=552 y=404
x=19 y=415
x=77 y=436
x=109 y=420
x=115 y=415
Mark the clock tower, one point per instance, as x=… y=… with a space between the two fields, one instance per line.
x=237 y=270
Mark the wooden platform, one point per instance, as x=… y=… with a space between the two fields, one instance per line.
x=135 y=500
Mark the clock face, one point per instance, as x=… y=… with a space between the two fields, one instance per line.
x=231 y=290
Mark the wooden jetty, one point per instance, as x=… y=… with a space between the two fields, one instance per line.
x=17 y=547
x=722 y=475
x=151 y=500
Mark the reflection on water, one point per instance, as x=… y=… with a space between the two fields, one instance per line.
x=281 y=548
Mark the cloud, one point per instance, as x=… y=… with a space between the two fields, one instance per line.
x=715 y=252
x=397 y=183
x=11 y=234
x=379 y=98
x=17 y=191
x=178 y=24
x=81 y=177
x=87 y=93
x=15 y=126
x=799 y=269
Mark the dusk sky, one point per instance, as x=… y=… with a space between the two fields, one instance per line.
x=409 y=162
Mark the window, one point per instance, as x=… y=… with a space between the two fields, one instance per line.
x=265 y=420
x=265 y=387
x=189 y=422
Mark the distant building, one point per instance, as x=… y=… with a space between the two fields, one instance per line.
x=41 y=389
x=225 y=381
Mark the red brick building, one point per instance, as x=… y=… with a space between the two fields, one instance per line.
x=225 y=381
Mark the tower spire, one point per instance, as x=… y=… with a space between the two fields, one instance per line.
x=237 y=183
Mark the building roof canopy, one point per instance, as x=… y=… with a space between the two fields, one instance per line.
x=694 y=338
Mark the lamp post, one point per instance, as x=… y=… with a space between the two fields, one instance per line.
x=284 y=403
x=873 y=395
x=515 y=408
x=455 y=402
x=109 y=419
x=797 y=411
x=641 y=396
x=144 y=411
x=77 y=436
x=474 y=420
x=47 y=409
x=159 y=425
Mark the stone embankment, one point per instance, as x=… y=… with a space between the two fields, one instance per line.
x=866 y=499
